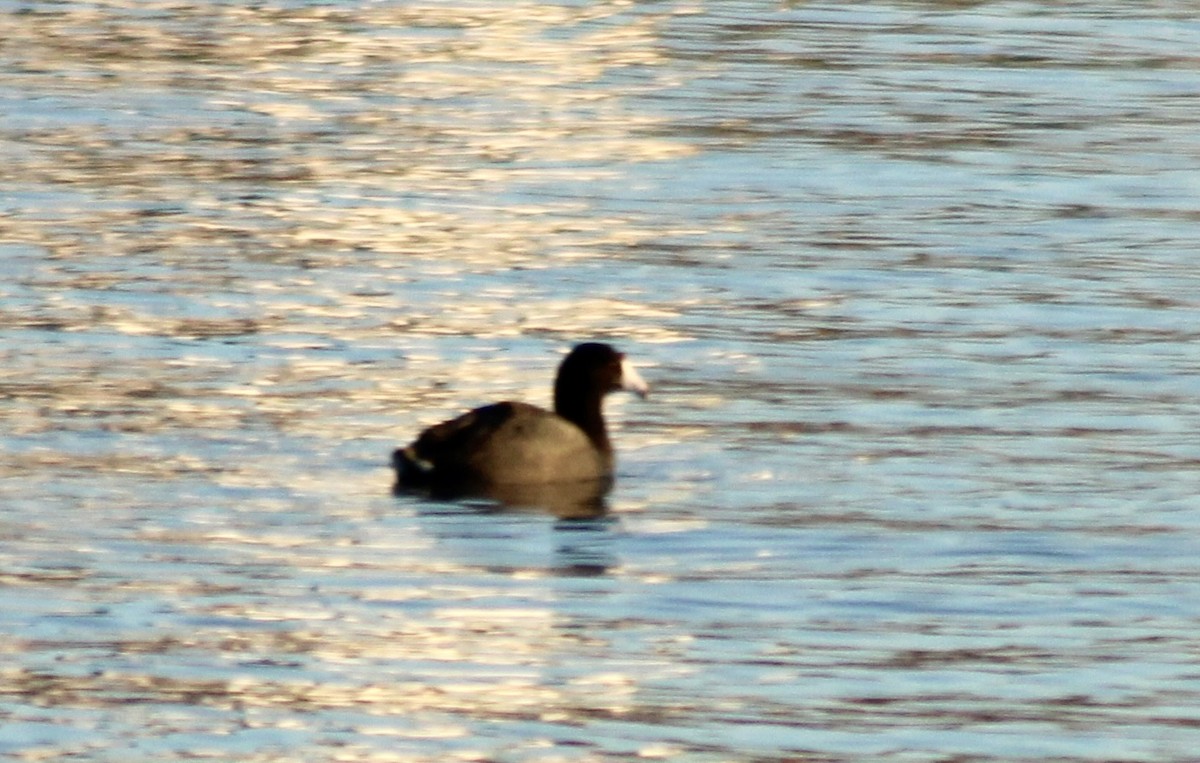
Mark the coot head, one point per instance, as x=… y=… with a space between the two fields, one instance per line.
x=591 y=371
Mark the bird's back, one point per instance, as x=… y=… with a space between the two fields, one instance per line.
x=501 y=444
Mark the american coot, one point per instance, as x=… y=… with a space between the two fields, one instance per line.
x=518 y=453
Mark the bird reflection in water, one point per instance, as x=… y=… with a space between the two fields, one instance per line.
x=581 y=533
x=578 y=500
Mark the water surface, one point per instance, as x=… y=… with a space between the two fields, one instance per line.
x=914 y=283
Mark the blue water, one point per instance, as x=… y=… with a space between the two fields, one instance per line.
x=914 y=285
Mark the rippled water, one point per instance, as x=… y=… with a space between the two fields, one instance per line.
x=914 y=282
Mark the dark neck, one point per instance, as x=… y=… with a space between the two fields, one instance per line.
x=584 y=412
